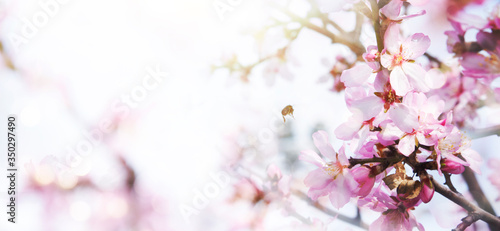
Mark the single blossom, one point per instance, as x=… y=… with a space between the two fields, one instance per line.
x=332 y=178
x=398 y=57
x=447 y=151
x=396 y=213
x=418 y=117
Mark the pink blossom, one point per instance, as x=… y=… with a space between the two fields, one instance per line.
x=372 y=57
x=332 y=178
x=453 y=144
x=480 y=66
x=277 y=181
x=365 y=179
x=418 y=116
x=396 y=213
x=398 y=57
x=427 y=191
x=357 y=75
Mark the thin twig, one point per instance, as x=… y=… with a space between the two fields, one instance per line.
x=448 y=182
x=491 y=219
x=467 y=221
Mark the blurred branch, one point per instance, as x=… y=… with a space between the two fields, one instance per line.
x=491 y=219
x=300 y=217
x=353 y=221
x=484 y=132
x=436 y=60
x=478 y=194
x=315 y=12
x=359 y=25
x=356 y=47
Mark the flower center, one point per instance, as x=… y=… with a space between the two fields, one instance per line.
x=389 y=97
x=334 y=169
x=398 y=59
x=454 y=144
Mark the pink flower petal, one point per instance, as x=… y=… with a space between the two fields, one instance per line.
x=320 y=139
x=415 y=46
x=347 y=130
x=342 y=158
x=311 y=157
x=392 y=38
x=427 y=191
x=474 y=159
x=404 y=118
x=317 y=180
x=361 y=175
x=386 y=60
x=399 y=81
x=391 y=132
x=274 y=171
x=357 y=75
x=416 y=76
x=435 y=78
x=342 y=191
x=392 y=9
x=369 y=106
x=407 y=145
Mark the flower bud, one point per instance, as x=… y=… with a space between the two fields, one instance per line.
x=452 y=167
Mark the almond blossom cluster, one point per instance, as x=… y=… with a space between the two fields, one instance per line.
x=399 y=121
x=405 y=135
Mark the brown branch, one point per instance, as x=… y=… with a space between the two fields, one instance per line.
x=354 y=161
x=376 y=25
x=448 y=182
x=478 y=194
x=467 y=221
x=491 y=219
